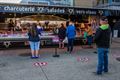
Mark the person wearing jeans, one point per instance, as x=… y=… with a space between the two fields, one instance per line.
x=34 y=40
x=70 y=33
x=70 y=45
x=102 y=39
x=102 y=60
x=34 y=46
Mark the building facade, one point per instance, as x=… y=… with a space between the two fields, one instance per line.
x=84 y=3
x=109 y=4
x=77 y=3
x=49 y=2
x=113 y=6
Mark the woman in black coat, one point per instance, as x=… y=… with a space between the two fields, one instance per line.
x=61 y=35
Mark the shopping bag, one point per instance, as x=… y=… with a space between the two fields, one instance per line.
x=65 y=40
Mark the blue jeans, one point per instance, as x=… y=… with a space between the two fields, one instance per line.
x=70 y=44
x=102 y=60
x=34 y=45
x=90 y=40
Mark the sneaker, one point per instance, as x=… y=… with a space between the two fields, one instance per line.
x=105 y=71
x=37 y=57
x=70 y=52
x=95 y=52
x=96 y=73
x=33 y=57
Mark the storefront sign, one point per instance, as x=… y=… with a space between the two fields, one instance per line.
x=86 y=11
x=18 y=9
x=46 y=9
x=32 y=9
x=50 y=10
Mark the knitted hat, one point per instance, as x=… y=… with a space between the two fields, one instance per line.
x=104 y=19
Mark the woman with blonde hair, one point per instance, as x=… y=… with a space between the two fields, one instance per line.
x=34 y=40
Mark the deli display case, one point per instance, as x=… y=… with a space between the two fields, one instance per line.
x=9 y=39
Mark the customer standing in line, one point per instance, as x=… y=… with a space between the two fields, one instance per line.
x=34 y=40
x=61 y=35
x=70 y=33
x=102 y=39
x=89 y=35
x=11 y=26
x=39 y=26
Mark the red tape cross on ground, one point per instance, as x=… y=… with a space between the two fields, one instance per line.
x=82 y=59
x=40 y=64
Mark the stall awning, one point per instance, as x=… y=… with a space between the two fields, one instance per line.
x=20 y=8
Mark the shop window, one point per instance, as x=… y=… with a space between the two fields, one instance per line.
x=105 y=1
x=116 y=0
x=102 y=1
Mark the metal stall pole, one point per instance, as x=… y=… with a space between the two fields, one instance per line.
x=56 y=41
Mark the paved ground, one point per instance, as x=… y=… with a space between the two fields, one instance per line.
x=17 y=65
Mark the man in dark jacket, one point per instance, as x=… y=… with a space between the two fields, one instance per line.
x=102 y=39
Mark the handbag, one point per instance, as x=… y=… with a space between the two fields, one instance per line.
x=65 y=40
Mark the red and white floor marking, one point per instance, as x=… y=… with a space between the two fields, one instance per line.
x=82 y=59
x=40 y=64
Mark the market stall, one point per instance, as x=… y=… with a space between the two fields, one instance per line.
x=50 y=18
